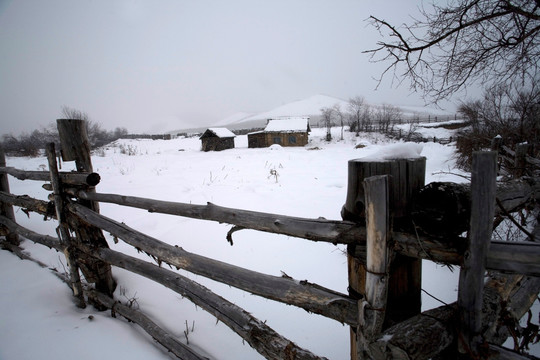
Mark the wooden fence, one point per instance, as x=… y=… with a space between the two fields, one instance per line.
x=385 y=247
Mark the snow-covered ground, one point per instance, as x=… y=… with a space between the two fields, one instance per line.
x=38 y=319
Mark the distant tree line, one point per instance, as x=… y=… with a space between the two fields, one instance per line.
x=31 y=144
x=361 y=117
x=512 y=112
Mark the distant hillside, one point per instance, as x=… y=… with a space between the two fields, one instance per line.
x=307 y=107
x=312 y=107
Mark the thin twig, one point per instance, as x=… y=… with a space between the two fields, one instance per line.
x=514 y=221
x=233 y=230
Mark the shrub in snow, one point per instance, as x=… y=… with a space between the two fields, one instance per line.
x=275 y=147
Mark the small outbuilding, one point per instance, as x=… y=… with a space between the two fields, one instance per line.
x=217 y=139
x=291 y=131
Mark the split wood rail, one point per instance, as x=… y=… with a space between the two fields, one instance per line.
x=385 y=250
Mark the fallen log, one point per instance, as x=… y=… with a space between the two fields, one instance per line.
x=311 y=297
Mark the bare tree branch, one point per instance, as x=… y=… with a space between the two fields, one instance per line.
x=466 y=41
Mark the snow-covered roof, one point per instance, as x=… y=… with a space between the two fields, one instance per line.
x=291 y=124
x=221 y=132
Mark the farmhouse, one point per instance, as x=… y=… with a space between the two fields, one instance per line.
x=217 y=139
x=291 y=131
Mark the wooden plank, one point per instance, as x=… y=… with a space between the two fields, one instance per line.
x=371 y=313
x=73 y=135
x=471 y=277
x=310 y=297
x=378 y=253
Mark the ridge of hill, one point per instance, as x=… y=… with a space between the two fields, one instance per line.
x=310 y=107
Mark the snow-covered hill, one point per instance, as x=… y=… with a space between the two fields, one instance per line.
x=310 y=107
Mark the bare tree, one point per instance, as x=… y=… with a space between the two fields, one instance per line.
x=71 y=113
x=356 y=109
x=328 y=117
x=96 y=134
x=387 y=115
x=513 y=113
x=339 y=116
x=463 y=42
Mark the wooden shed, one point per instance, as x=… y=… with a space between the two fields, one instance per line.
x=291 y=131
x=217 y=139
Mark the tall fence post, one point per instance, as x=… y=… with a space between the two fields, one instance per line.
x=404 y=285
x=63 y=229
x=471 y=276
x=372 y=310
x=75 y=146
x=520 y=161
x=5 y=209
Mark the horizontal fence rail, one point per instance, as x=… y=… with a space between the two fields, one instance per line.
x=311 y=297
x=503 y=256
x=256 y=333
x=71 y=178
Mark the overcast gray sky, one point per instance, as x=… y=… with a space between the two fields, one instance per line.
x=160 y=65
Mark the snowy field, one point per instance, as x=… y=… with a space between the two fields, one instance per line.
x=38 y=319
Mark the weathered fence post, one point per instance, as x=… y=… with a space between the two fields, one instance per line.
x=471 y=276
x=404 y=285
x=520 y=161
x=5 y=209
x=372 y=310
x=496 y=143
x=75 y=146
x=63 y=230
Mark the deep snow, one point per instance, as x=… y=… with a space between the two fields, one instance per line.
x=39 y=320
